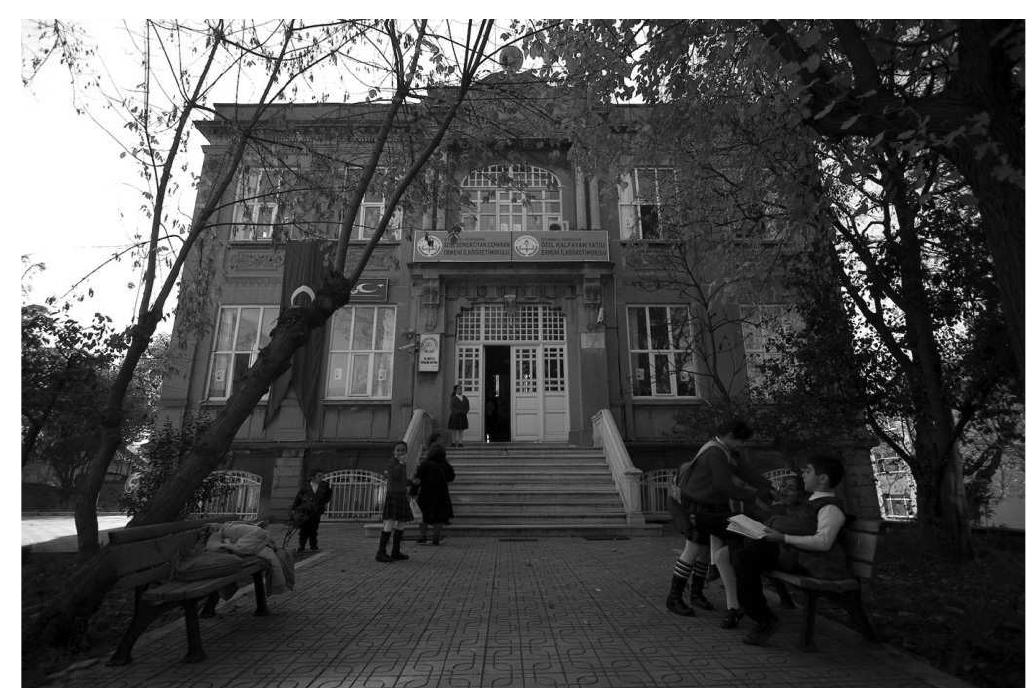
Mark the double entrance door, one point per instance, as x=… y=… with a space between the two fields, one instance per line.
x=517 y=392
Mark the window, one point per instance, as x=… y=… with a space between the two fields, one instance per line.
x=362 y=348
x=646 y=199
x=258 y=207
x=660 y=347
x=370 y=213
x=895 y=487
x=240 y=333
x=764 y=327
x=512 y=198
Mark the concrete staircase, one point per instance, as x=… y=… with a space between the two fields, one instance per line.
x=536 y=490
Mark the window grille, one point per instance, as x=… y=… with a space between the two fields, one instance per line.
x=555 y=378
x=490 y=323
x=512 y=198
x=469 y=373
x=526 y=362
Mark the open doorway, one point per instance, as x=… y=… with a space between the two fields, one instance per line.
x=497 y=393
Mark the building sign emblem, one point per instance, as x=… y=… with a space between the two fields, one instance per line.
x=489 y=247
x=429 y=245
x=526 y=246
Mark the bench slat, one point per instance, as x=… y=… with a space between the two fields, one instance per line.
x=821 y=584
x=177 y=591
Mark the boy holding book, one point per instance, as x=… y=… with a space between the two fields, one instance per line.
x=816 y=553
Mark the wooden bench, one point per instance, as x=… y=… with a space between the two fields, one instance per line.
x=860 y=539
x=145 y=559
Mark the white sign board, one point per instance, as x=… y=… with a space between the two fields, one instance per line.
x=430 y=348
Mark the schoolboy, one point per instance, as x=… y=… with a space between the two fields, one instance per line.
x=817 y=554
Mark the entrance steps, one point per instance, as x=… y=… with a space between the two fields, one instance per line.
x=524 y=491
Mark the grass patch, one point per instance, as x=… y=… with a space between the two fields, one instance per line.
x=965 y=618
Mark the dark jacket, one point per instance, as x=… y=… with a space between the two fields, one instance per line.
x=312 y=502
x=708 y=478
x=433 y=476
x=459 y=407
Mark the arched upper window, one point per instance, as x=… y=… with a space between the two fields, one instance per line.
x=511 y=198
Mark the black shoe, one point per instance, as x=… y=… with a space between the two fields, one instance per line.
x=701 y=602
x=675 y=605
x=762 y=632
x=732 y=618
x=383 y=556
x=314 y=548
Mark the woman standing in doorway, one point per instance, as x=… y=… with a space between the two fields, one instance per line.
x=459 y=407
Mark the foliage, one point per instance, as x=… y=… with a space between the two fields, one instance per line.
x=66 y=371
x=865 y=143
x=159 y=460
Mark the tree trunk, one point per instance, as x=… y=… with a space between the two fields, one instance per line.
x=293 y=329
x=935 y=424
x=110 y=438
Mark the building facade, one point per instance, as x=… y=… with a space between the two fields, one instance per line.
x=515 y=273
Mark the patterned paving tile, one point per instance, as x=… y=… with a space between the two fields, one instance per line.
x=480 y=612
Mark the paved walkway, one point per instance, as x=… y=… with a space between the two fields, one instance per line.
x=56 y=532
x=489 y=612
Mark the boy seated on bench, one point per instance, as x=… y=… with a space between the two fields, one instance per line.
x=815 y=551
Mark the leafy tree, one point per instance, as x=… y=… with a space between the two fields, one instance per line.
x=161 y=457
x=66 y=371
x=950 y=87
x=426 y=90
x=918 y=233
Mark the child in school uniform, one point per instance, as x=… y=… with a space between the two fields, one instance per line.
x=396 y=510
x=814 y=550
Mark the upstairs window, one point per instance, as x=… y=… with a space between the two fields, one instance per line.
x=241 y=332
x=258 y=208
x=369 y=216
x=661 y=351
x=512 y=198
x=646 y=199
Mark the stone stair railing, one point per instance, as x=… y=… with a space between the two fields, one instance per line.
x=606 y=436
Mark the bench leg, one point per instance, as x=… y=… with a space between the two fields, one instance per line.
x=808 y=630
x=142 y=618
x=853 y=602
x=195 y=653
x=260 y=594
x=208 y=611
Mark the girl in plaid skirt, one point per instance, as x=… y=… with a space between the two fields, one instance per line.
x=396 y=505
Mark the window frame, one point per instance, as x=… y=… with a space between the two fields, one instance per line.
x=671 y=354
x=755 y=356
x=631 y=203
x=261 y=340
x=353 y=354
x=516 y=198
x=250 y=199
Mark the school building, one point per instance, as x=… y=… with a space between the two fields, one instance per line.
x=511 y=271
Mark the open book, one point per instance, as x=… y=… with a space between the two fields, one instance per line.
x=745 y=525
